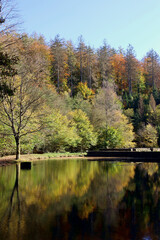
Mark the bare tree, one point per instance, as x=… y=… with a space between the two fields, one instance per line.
x=104 y=54
x=152 y=65
x=9 y=22
x=130 y=67
x=71 y=64
x=58 y=53
x=81 y=51
x=2 y=20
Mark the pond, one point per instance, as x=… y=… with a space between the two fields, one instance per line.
x=80 y=199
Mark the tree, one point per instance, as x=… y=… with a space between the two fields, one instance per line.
x=152 y=103
x=9 y=21
x=60 y=133
x=147 y=136
x=86 y=92
x=2 y=20
x=131 y=64
x=118 y=71
x=155 y=115
x=105 y=107
x=107 y=114
x=8 y=15
x=6 y=70
x=104 y=64
x=108 y=137
x=125 y=130
x=81 y=54
x=71 y=65
x=84 y=129
x=91 y=67
x=152 y=67
x=22 y=111
x=35 y=59
x=59 y=71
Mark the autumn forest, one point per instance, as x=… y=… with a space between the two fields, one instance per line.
x=61 y=97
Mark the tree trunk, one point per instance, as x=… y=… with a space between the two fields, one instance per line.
x=71 y=84
x=130 y=85
x=17 y=148
x=81 y=67
x=58 y=78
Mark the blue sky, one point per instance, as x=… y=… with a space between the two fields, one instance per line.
x=120 y=22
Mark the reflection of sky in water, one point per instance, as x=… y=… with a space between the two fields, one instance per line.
x=147 y=238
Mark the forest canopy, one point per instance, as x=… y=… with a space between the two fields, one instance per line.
x=60 y=97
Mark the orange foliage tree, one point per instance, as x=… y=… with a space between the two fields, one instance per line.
x=118 y=71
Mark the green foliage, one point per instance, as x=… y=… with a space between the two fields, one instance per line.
x=129 y=113
x=7 y=69
x=76 y=91
x=77 y=102
x=142 y=86
x=60 y=133
x=126 y=132
x=156 y=95
x=158 y=134
x=29 y=142
x=107 y=111
x=7 y=143
x=147 y=136
x=84 y=129
x=7 y=65
x=154 y=117
x=108 y=137
x=127 y=100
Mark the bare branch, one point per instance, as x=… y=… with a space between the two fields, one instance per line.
x=33 y=131
x=5 y=123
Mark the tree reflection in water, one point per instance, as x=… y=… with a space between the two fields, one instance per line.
x=76 y=199
x=13 y=203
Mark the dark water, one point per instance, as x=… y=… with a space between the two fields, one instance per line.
x=78 y=199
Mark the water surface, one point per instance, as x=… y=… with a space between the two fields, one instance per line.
x=80 y=199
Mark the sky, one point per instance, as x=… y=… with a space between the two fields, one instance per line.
x=120 y=22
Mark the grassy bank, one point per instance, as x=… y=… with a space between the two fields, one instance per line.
x=33 y=157
x=46 y=156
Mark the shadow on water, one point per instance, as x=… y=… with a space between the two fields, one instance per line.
x=76 y=199
x=26 y=165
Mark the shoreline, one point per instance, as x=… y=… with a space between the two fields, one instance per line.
x=11 y=159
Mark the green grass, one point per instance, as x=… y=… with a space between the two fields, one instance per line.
x=66 y=154
x=45 y=156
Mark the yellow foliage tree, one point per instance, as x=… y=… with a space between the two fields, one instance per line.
x=86 y=92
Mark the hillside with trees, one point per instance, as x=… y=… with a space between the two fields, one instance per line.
x=57 y=96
